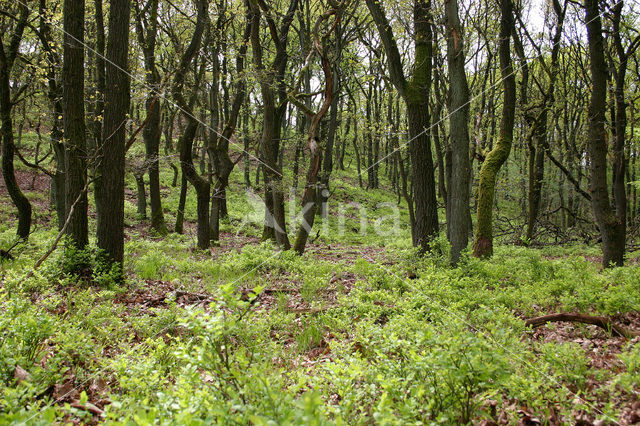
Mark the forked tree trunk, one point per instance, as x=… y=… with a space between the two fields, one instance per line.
x=223 y=163
x=189 y=171
x=311 y=189
x=274 y=106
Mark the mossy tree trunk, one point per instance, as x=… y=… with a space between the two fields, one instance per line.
x=415 y=92
x=483 y=243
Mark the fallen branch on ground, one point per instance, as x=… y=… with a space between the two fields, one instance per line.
x=602 y=322
x=87 y=407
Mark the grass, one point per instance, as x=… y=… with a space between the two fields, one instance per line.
x=358 y=330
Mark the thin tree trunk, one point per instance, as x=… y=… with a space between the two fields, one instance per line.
x=273 y=114
x=152 y=130
x=189 y=171
x=179 y=226
x=142 y=195
x=53 y=94
x=7 y=58
x=459 y=129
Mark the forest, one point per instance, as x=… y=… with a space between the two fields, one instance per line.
x=320 y=212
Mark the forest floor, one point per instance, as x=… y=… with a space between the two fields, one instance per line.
x=358 y=330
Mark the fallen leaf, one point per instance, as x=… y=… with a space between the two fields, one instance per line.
x=20 y=375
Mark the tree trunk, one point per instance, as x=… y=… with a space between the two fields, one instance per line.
x=179 y=226
x=539 y=144
x=53 y=94
x=245 y=139
x=142 y=195
x=74 y=125
x=152 y=130
x=311 y=189
x=459 y=129
x=202 y=186
x=273 y=113
x=415 y=93
x=220 y=149
x=110 y=191
x=612 y=230
x=483 y=244
x=19 y=200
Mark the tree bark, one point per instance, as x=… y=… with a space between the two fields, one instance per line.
x=7 y=59
x=55 y=99
x=146 y=30
x=142 y=195
x=538 y=143
x=74 y=125
x=483 y=243
x=459 y=129
x=415 y=93
x=189 y=171
x=111 y=153
x=224 y=165
x=274 y=102
x=602 y=322
x=612 y=229
x=311 y=190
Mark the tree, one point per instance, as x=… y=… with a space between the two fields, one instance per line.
x=111 y=151
x=189 y=171
x=536 y=114
x=611 y=225
x=219 y=144
x=8 y=56
x=310 y=196
x=415 y=93
x=54 y=96
x=483 y=243
x=146 y=30
x=74 y=125
x=458 y=101
x=274 y=106
x=620 y=117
